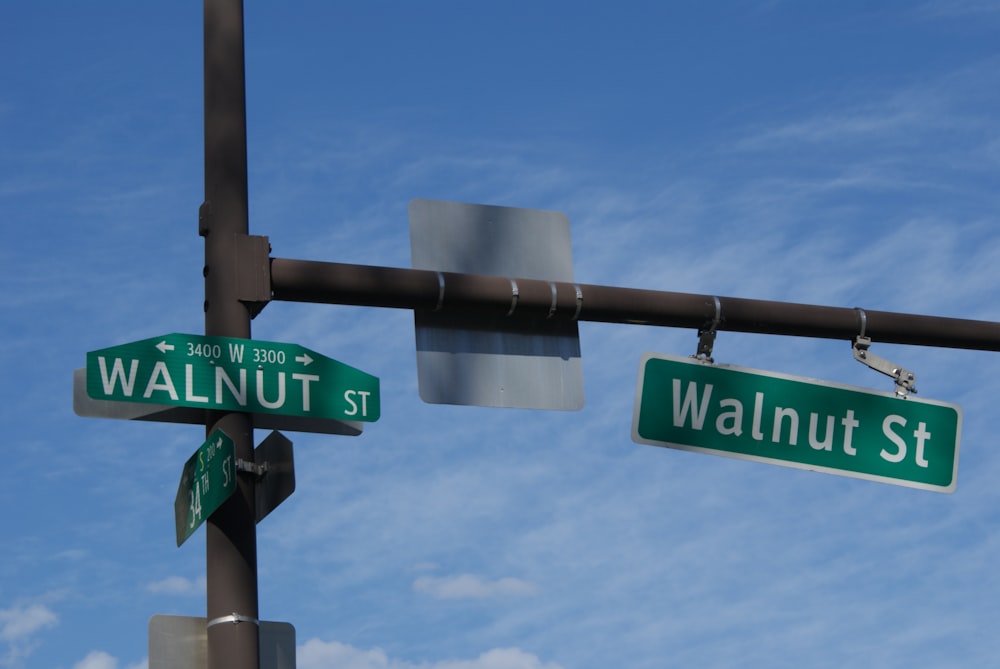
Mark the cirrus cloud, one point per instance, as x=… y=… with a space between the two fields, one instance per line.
x=317 y=654
x=470 y=586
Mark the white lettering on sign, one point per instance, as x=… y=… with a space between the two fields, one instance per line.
x=306 y=379
x=735 y=426
x=278 y=403
x=827 y=443
x=849 y=423
x=758 y=410
x=206 y=375
x=793 y=425
x=681 y=409
x=200 y=350
x=268 y=356
x=226 y=387
x=117 y=374
x=920 y=433
x=350 y=395
x=189 y=386
x=167 y=384
x=922 y=436
x=239 y=394
x=688 y=407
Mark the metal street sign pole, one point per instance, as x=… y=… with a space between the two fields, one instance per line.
x=474 y=296
x=231 y=532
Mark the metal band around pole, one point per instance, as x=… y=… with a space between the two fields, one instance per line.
x=513 y=297
x=233 y=618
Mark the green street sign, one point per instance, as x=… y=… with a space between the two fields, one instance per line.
x=230 y=374
x=796 y=422
x=208 y=480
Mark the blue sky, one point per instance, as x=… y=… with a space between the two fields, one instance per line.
x=830 y=153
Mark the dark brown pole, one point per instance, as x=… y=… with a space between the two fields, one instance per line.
x=231 y=555
x=467 y=295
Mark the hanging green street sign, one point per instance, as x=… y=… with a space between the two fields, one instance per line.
x=796 y=422
x=230 y=374
x=208 y=480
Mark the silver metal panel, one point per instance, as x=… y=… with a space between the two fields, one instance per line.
x=487 y=239
x=88 y=407
x=178 y=642
x=277 y=645
x=181 y=642
x=534 y=365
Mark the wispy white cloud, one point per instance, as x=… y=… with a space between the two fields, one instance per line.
x=939 y=122
x=426 y=566
x=18 y=626
x=98 y=659
x=177 y=585
x=317 y=654
x=23 y=620
x=470 y=586
x=499 y=658
x=857 y=124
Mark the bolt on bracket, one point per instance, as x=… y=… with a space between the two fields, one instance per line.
x=257 y=470
x=706 y=335
x=904 y=378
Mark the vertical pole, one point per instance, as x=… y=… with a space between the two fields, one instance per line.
x=231 y=555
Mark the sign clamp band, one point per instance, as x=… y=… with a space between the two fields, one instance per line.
x=863 y=321
x=552 y=306
x=579 y=301
x=706 y=335
x=513 y=297
x=234 y=618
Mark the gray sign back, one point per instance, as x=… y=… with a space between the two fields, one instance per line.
x=495 y=362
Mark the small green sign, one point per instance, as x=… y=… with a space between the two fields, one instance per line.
x=208 y=480
x=230 y=374
x=796 y=422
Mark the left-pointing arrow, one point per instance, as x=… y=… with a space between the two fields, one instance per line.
x=164 y=346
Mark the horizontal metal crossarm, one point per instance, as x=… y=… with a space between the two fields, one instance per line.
x=472 y=294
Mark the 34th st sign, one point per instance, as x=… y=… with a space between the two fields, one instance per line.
x=232 y=374
x=208 y=480
x=796 y=422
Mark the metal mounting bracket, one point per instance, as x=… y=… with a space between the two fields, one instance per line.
x=257 y=470
x=706 y=335
x=904 y=378
x=253 y=271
